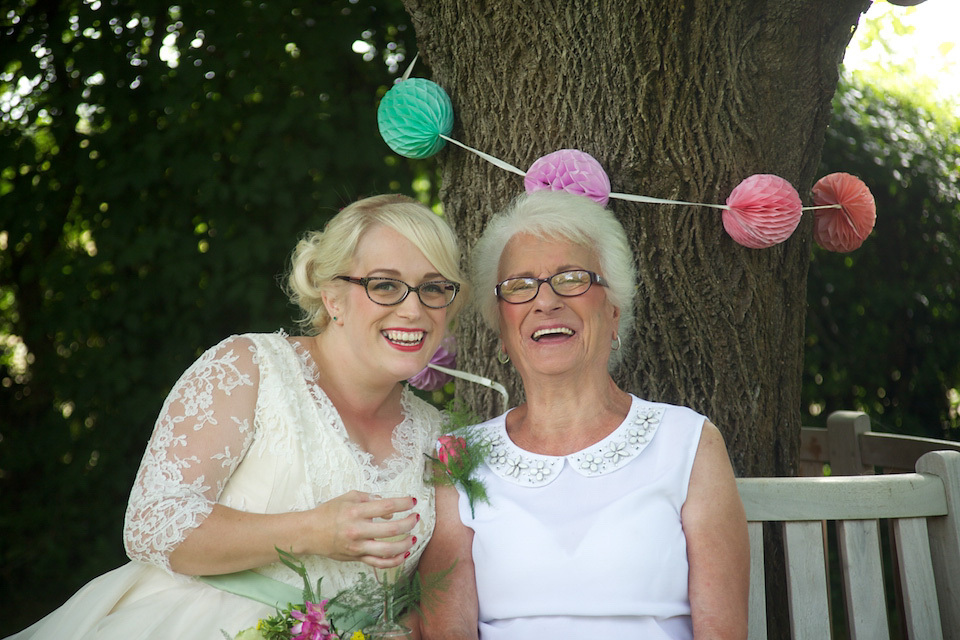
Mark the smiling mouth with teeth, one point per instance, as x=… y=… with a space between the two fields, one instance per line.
x=404 y=338
x=552 y=331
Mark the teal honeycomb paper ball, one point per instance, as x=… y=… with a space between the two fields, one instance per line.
x=412 y=116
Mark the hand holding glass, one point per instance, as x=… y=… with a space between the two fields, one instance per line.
x=388 y=627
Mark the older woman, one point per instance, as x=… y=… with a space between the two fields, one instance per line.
x=609 y=516
x=274 y=441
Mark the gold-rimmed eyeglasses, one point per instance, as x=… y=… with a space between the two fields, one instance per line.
x=566 y=283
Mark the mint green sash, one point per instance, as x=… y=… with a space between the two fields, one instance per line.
x=258 y=587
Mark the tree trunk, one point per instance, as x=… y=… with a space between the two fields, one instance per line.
x=678 y=100
x=675 y=100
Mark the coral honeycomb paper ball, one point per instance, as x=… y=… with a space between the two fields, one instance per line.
x=846 y=228
x=762 y=211
x=572 y=171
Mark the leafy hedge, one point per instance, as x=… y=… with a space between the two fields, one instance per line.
x=883 y=321
x=157 y=166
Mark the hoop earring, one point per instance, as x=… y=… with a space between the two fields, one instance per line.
x=502 y=356
x=619 y=344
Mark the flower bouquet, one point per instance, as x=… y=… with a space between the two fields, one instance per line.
x=344 y=616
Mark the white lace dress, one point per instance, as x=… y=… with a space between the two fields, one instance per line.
x=247 y=427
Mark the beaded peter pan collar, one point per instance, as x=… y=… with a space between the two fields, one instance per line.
x=521 y=467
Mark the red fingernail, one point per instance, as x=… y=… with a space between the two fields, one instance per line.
x=418 y=517
x=414 y=539
x=406 y=555
x=414 y=502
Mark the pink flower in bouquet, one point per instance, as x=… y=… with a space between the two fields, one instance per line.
x=450 y=448
x=457 y=462
x=446 y=356
x=313 y=624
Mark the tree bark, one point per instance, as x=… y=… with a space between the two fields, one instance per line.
x=679 y=100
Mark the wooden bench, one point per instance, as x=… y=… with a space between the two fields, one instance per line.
x=851 y=448
x=924 y=509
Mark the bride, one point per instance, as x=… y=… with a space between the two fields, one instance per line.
x=273 y=441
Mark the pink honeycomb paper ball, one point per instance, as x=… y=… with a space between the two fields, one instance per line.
x=846 y=228
x=572 y=171
x=763 y=210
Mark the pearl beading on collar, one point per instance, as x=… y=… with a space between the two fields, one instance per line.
x=524 y=468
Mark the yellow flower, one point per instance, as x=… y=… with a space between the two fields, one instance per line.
x=358 y=635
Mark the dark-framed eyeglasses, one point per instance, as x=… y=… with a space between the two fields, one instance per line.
x=568 y=284
x=436 y=294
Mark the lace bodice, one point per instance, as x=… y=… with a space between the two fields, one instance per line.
x=248 y=427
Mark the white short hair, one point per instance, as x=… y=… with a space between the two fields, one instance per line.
x=558 y=215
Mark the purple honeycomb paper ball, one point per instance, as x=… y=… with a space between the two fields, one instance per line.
x=572 y=171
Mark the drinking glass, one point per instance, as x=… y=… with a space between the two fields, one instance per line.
x=388 y=628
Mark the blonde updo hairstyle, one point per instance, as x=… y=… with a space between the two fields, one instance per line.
x=322 y=255
x=557 y=215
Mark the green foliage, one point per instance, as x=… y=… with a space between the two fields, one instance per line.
x=882 y=321
x=347 y=611
x=354 y=609
x=157 y=165
x=889 y=65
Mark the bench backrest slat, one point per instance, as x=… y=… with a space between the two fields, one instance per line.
x=862 y=570
x=806 y=577
x=921 y=603
x=757 y=621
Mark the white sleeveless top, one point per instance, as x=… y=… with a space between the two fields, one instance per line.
x=587 y=545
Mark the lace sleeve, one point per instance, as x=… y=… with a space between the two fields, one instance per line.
x=205 y=427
